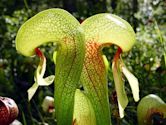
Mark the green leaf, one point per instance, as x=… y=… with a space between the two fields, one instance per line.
x=83 y=110
x=54 y=57
x=106 y=62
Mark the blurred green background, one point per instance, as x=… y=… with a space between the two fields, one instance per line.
x=145 y=60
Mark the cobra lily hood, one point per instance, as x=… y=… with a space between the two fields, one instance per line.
x=105 y=30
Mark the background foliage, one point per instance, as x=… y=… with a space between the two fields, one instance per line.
x=146 y=60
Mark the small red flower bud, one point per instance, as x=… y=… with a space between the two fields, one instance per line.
x=8 y=111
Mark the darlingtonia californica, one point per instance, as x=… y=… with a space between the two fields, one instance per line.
x=151 y=110
x=79 y=59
